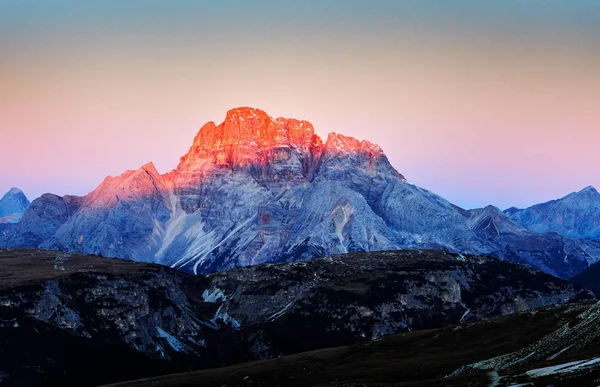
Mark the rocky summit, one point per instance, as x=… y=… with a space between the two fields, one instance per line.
x=576 y=215
x=69 y=319
x=12 y=206
x=256 y=189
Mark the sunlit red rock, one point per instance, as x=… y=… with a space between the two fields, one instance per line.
x=255 y=189
x=281 y=149
x=249 y=136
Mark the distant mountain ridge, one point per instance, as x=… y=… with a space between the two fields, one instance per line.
x=13 y=205
x=256 y=189
x=576 y=215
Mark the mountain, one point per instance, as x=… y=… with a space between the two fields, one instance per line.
x=433 y=358
x=41 y=221
x=549 y=252
x=12 y=206
x=256 y=189
x=69 y=319
x=577 y=215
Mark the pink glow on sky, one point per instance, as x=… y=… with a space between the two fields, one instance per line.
x=476 y=123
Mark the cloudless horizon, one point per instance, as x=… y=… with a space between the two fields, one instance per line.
x=480 y=102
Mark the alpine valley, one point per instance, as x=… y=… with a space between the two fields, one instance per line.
x=255 y=189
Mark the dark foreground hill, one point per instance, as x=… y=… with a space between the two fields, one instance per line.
x=68 y=319
x=451 y=356
x=589 y=278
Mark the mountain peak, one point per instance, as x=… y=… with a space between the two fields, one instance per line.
x=12 y=206
x=246 y=113
x=576 y=215
x=150 y=168
x=14 y=194
x=585 y=195
x=492 y=209
x=344 y=144
x=249 y=136
x=589 y=190
x=14 y=191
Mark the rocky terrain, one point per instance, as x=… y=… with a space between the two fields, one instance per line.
x=80 y=320
x=12 y=206
x=551 y=346
x=569 y=355
x=577 y=215
x=513 y=242
x=256 y=189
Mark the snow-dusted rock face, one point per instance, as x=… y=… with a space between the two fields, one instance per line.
x=577 y=215
x=257 y=189
x=12 y=206
x=124 y=217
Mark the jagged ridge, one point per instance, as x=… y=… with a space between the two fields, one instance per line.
x=254 y=189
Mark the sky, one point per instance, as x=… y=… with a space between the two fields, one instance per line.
x=482 y=102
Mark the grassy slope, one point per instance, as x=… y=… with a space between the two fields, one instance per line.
x=420 y=358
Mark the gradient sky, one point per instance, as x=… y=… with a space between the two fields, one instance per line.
x=482 y=102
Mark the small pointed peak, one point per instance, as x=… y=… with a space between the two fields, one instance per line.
x=340 y=143
x=210 y=125
x=149 y=167
x=490 y=207
x=206 y=130
x=488 y=210
x=589 y=189
x=12 y=206
x=14 y=192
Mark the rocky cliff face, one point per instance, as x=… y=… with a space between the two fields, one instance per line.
x=12 y=206
x=124 y=216
x=362 y=296
x=84 y=320
x=46 y=215
x=508 y=240
x=256 y=189
x=577 y=215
